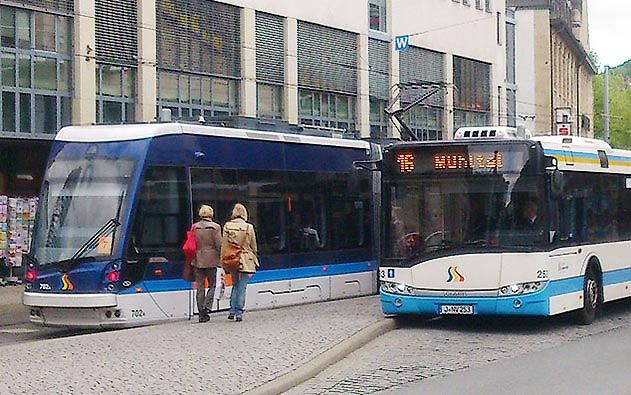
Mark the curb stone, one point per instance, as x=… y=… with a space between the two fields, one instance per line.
x=325 y=359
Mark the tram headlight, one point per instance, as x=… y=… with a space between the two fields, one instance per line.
x=521 y=288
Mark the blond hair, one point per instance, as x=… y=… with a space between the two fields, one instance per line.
x=205 y=211
x=239 y=211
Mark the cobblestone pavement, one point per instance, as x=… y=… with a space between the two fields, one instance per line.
x=185 y=357
x=424 y=349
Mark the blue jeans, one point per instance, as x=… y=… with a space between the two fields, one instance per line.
x=237 y=298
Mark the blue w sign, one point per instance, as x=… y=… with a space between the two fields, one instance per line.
x=401 y=43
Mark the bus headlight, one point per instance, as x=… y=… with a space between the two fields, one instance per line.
x=522 y=288
x=396 y=288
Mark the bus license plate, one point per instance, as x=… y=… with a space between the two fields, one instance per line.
x=450 y=309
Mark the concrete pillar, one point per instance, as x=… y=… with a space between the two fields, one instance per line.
x=290 y=104
x=363 y=87
x=448 y=113
x=84 y=67
x=248 y=95
x=146 y=87
x=394 y=79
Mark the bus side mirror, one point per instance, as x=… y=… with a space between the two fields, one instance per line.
x=557 y=184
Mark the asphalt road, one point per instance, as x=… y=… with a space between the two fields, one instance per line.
x=488 y=355
x=598 y=364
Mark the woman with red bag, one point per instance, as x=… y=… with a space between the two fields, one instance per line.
x=206 y=260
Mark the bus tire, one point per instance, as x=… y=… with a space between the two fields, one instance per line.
x=592 y=295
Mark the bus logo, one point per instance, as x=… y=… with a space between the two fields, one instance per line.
x=454 y=275
x=66 y=284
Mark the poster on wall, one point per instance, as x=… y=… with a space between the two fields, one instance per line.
x=17 y=217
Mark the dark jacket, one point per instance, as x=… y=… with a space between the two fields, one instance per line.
x=208 y=237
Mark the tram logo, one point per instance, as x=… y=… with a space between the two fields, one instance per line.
x=66 y=284
x=454 y=275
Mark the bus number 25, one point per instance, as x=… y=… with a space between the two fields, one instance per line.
x=137 y=313
x=542 y=274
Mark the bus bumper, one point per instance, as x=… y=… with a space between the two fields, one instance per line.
x=536 y=304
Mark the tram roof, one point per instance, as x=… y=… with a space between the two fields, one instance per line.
x=129 y=132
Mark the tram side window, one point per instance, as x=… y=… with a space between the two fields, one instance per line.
x=260 y=190
x=306 y=210
x=350 y=212
x=162 y=214
x=266 y=208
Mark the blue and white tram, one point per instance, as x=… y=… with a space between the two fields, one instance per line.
x=116 y=202
x=491 y=223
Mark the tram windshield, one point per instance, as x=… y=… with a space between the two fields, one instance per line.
x=79 y=196
x=438 y=212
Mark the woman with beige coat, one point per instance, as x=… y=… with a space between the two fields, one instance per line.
x=240 y=232
x=206 y=262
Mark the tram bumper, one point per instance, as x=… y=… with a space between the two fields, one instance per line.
x=535 y=304
x=89 y=311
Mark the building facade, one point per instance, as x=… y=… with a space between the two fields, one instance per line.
x=326 y=64
x=553 y=69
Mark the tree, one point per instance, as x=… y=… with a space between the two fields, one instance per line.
x=619 y=105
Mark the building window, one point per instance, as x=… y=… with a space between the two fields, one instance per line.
x=378 y=118
x=511 y=107
x=478 y=4
x=269 y=101
x=499 y=28
x=487 y=6
x=36 y=71
x=190 y=95
x=115 y=87
x=270 y=65
x=425 y=122
x=328 y=110
x=377 y=15
x=472 y=93
x=465 y=2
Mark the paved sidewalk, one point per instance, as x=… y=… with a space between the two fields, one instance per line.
x=11 y=295
x=186 y=357
x=12 y=311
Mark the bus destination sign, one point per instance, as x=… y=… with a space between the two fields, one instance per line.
x=479 y=159
x=450 y=161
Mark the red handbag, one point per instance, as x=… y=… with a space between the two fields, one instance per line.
x=190 y=250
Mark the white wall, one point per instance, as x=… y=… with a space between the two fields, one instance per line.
x=351 y=15
x=525 y=68
x=451 y=28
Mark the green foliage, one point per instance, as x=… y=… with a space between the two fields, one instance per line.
x=619 y=105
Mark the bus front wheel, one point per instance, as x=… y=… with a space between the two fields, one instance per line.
x=591 y=296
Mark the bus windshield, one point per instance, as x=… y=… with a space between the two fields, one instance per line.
x=432 y=214
x=78 y=197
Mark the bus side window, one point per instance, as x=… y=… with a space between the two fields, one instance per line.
x=625 y=209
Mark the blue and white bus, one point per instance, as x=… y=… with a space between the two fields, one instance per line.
x=494 y=223
x=117 y=200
